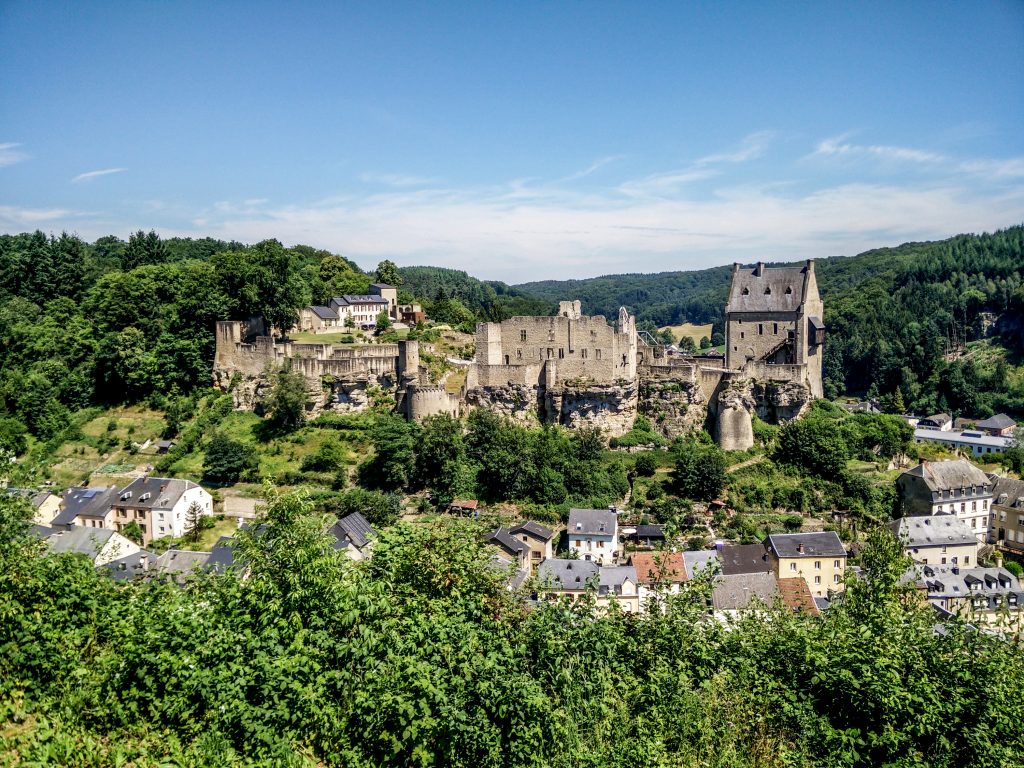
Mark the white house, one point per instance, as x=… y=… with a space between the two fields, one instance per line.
x=948 y=488
x=100 y=545
x=594 y=535
x=977 y=442
x=159 y=506
x=937 y=540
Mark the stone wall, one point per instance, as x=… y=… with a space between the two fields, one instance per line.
x=612 y=408
x=423 y=401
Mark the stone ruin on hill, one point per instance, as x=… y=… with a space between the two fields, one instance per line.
x=574 y=369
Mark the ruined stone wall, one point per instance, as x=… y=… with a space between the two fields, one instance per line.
x=752 y=335
x=423 y=401
x=612 y=408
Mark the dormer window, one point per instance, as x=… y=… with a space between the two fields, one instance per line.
x=789 y=290
x=746 y=291
x=768 y=291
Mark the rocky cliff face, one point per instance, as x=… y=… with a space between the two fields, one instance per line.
x=327 y=395
x=674 y=407
x=735 y=425
x=780 y=401
x=517 y=402
x=610 y=407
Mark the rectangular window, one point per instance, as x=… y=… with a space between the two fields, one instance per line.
x=974 y=506
x=835 y=563
x=551 y=353
x=561 y=353
x=579 y=543
x=943 y=561
x=597 y=354
x=741 y=334
x=519 y=354
x=817 y=579
x=583 y=354
x=792 y=566
x=522 y=335
x=835 y=579
x=776 y=328
x=817 y=565
x=760 y=329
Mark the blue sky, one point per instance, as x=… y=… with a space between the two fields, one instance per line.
x=517 y=141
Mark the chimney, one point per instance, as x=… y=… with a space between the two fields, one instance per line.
x=956 y=569
x=800 y=547
x=759 y=269
x=735 y=267
x=810 y=266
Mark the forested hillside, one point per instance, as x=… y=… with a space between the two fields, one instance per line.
x=897 y=317
x=492 y=300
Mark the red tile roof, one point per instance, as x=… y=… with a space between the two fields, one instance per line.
x=658 y=566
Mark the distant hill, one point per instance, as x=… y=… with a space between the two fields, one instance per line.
x=896 y=317
x=492 y=300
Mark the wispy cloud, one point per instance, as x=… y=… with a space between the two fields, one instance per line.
x=592 y=168
x=13 y=217
x=89 y=176
x=753 y=146
x=10 y=154
x=838 y=146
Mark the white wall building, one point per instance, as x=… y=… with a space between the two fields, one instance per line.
x=594 y=535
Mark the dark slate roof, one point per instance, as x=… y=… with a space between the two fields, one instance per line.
x=534 y=529
x=648 y=532
x=610 y=578
x=567 y=574
x=131 y=566
x=823 y=544
x=504 y=539
x=361 y=299
x=356 y=528
x=750 y=292
x=181 y=561
x=164 y=492
x=744 y=558
x=592 y=522
x=999 y=421
x=222 y=556
x=324 y=313
x=932 y=531
x=382 y=286
x=816 y=323
x=946 y=475
x=95 y=502
x=937 y=418
x=1008 y=492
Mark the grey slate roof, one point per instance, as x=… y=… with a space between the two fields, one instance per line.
x=164 y=492
x=1008 y=492
x=946 y=475
x=822 y=544
x=181 y=561
x=504 y=539
x=999 y=421
x=382 y=286
x=933 y=531
x=131 y=566
x=937 y=419
x=534 y=529
x=324 y=313
x=592 y=522
x=749 y=292
x=351 y=298
x=737 y=591
x=568 y=574
x=744 y=558
x=610 y=578
x=699 y=560
x=942 y=581
x=80 y=540
x=95 y=502
x=648 y=532
x=222 y=556
x=356 y=529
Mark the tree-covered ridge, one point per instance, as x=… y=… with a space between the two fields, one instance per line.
x=893 y=315
x=491 y=300
x=421 y=656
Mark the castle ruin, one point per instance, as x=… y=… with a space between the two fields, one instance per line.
x=577 y=370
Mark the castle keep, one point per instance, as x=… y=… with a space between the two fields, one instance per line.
x=577 y=370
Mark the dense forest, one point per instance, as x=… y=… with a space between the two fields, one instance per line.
x=897 y=318
x=490 y=300
x=421 y=656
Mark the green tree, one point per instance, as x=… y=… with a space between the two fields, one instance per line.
x=383 y=322
x=285 y=403
x=133 y=532
x=388 y=273
x=813 y=446
x=441 y=460
x=194 y=522
x=392 y=465
x=142 y=249
x=699 y=472
x=686 y=345
x=227 y=461
x=705 y=342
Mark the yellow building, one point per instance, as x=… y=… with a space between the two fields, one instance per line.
x=818 y=558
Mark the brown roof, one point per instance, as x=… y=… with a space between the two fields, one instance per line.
x=796 y=595
x=464 y=503
x=658 y=566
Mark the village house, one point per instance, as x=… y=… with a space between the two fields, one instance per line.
x=1006 y=526
x=354 y=534
x=955 y=487
x=744 y=558
x=940 y=421
x=735 y=593
x=975 y=442
x=699 y=560
x=45 y=505
x=159 y=506
x=593 y=535
x=100 y=545
x=990 y=597
x=818 y=558
x=658 y=572
x=574 y=578
x=86 y=507
x=539 y=541
x=514 y=550
x=796 y=596
x=999 y=425
x=937 y=540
